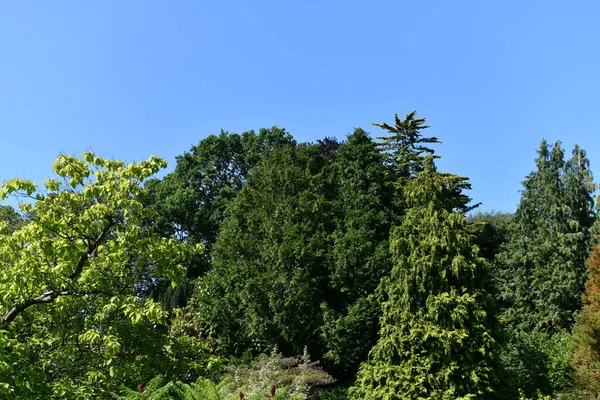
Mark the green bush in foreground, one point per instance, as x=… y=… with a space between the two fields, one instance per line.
x=273 y=377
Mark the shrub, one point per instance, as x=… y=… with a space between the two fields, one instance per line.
x=298 y=377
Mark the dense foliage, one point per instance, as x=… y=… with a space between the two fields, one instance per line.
x=438 y=330
x=359 y=252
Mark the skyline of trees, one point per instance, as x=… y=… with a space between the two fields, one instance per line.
x=357 y=252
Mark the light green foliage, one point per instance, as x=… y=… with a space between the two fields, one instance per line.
x=438 y=334
x=73 y=323
x=160 y=389
x=188 y=356
x=290 y=378
x=297 y=377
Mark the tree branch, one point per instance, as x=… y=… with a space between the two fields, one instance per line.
x=50 y=296
x=91 y=249
x=47 y=297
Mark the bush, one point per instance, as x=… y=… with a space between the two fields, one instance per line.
x=538 y=362
x=298 y=377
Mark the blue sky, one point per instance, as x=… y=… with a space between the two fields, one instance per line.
x=132 y=78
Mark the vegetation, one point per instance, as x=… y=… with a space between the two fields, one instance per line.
x=218 y=280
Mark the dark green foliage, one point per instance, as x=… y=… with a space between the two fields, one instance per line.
x=270 y=271
x=11 y=217
x=405 y=148
x=541 y=269
x=438 y=331
x=537 y=361
x=360 y=253
x=493 y=232
x=191 y=201
x=349 y=337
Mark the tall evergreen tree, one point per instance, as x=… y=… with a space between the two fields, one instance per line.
x=360 y=255
x=406 y=148
x=541 y=270
x=437 y=337
x=270 y=272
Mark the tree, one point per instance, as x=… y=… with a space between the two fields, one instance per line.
x=493 y=233
x=191 y=201
x=540 y=271
x=73 y=323
x=586 y=354
x=270 y=269
x=360 y=256
x=13 y=219
x=438 y=331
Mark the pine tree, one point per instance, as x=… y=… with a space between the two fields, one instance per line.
x=438 y=331
x=541 y=270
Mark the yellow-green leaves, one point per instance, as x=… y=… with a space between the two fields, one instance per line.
x=74 y=276
x=17 y=185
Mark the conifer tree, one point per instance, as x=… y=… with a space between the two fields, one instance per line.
x=541 y=270
x=438 y=331
x=586 y=354
x=405 y=148
x=360 y=253
x=270 y=272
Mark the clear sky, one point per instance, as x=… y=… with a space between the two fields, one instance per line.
x=132 y=78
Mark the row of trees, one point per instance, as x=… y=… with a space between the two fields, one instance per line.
x=360 y=252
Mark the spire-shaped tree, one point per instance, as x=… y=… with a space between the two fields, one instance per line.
x=437 y=337
x=541 y=271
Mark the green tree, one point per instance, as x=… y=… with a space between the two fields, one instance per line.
x=191 y=201
x=438 y=330
x=270 y=271
x=541 y=271
x=360 y=256
x=493 y=232
x=13 y=218
x=586 y=354
x=73 y=323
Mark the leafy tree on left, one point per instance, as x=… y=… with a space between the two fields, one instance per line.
x=72 y=322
